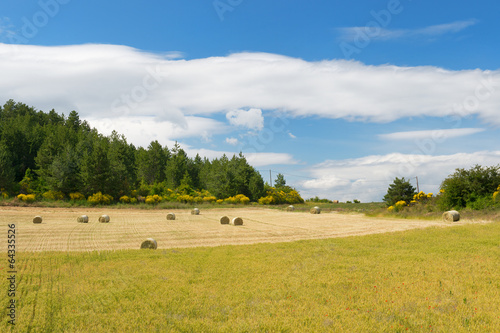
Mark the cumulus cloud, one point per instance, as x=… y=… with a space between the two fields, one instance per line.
x=251 y=119
x=232 y=141
x=436 y=134
x=119 y=82
x=368 y=178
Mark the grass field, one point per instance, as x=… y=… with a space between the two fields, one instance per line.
x=435 y=279
x=128 y=228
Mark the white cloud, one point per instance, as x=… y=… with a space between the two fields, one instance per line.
x=291 y=135
x=251 y=119
x=436 y=134
x=368 y=178
x=142 y=130
x=254 y=159
x=262 y=159
x=119 y=82
x=351 y=33
x=232 y=141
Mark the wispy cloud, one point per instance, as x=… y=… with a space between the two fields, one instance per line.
x=382 y=34
x=6 y=29
x=436 y=134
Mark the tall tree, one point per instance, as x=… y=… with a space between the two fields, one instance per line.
x=95 y=168
x=280 y=181
x=176 y=166
x=7 y=172
x=399 y=190
x=151 y=163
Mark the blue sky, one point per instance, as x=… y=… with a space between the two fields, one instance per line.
x=339 y=96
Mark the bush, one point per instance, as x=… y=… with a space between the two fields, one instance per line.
x=279 y=196
x=76 y=196
x=53 y=195
x=100 y=199
x=186 y=198
x=26 y=197
x=153 y=199
x=124 y=199
x=209 y=199
x=496 y=195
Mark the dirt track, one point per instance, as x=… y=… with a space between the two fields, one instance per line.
x=129 y=227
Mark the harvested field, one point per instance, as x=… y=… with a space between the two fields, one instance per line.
x=130 y=227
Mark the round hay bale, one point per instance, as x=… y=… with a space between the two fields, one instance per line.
x=149 y=243
x=237 y=221
x=224 y=220
x=315 y=210
x=335 y=201
x=104 y=219
x=451 y=216
x=170 y=216
x=83 y=219
x=37 y=219
x=195 y=211
x=290 y=208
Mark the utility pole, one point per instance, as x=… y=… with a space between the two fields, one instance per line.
x=270 y=178
x=418 y=190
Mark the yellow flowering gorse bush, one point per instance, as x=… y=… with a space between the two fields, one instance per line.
x=99 y=198
x=496 y=196
x=76 y=196
x=53 y=195
x=26 y=197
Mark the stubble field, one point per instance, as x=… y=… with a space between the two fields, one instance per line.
x=60 y=230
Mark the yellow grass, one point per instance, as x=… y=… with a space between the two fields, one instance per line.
x=130 y=227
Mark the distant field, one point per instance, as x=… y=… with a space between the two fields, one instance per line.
x=129 y=227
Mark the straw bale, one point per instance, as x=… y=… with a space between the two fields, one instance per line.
x=451 y=216
x=149 y=243
x=237 y=221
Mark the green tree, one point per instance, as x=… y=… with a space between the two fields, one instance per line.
x=468 y=186
x=151 y=163
x=63 y=173
x=400 y=189
x=176 y=166
x=95 y=168
x=280 y=181
x=6 y=170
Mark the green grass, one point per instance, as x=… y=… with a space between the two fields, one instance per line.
x=437 y=279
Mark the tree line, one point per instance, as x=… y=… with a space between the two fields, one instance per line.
x=42 y=152
x=475 y=188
